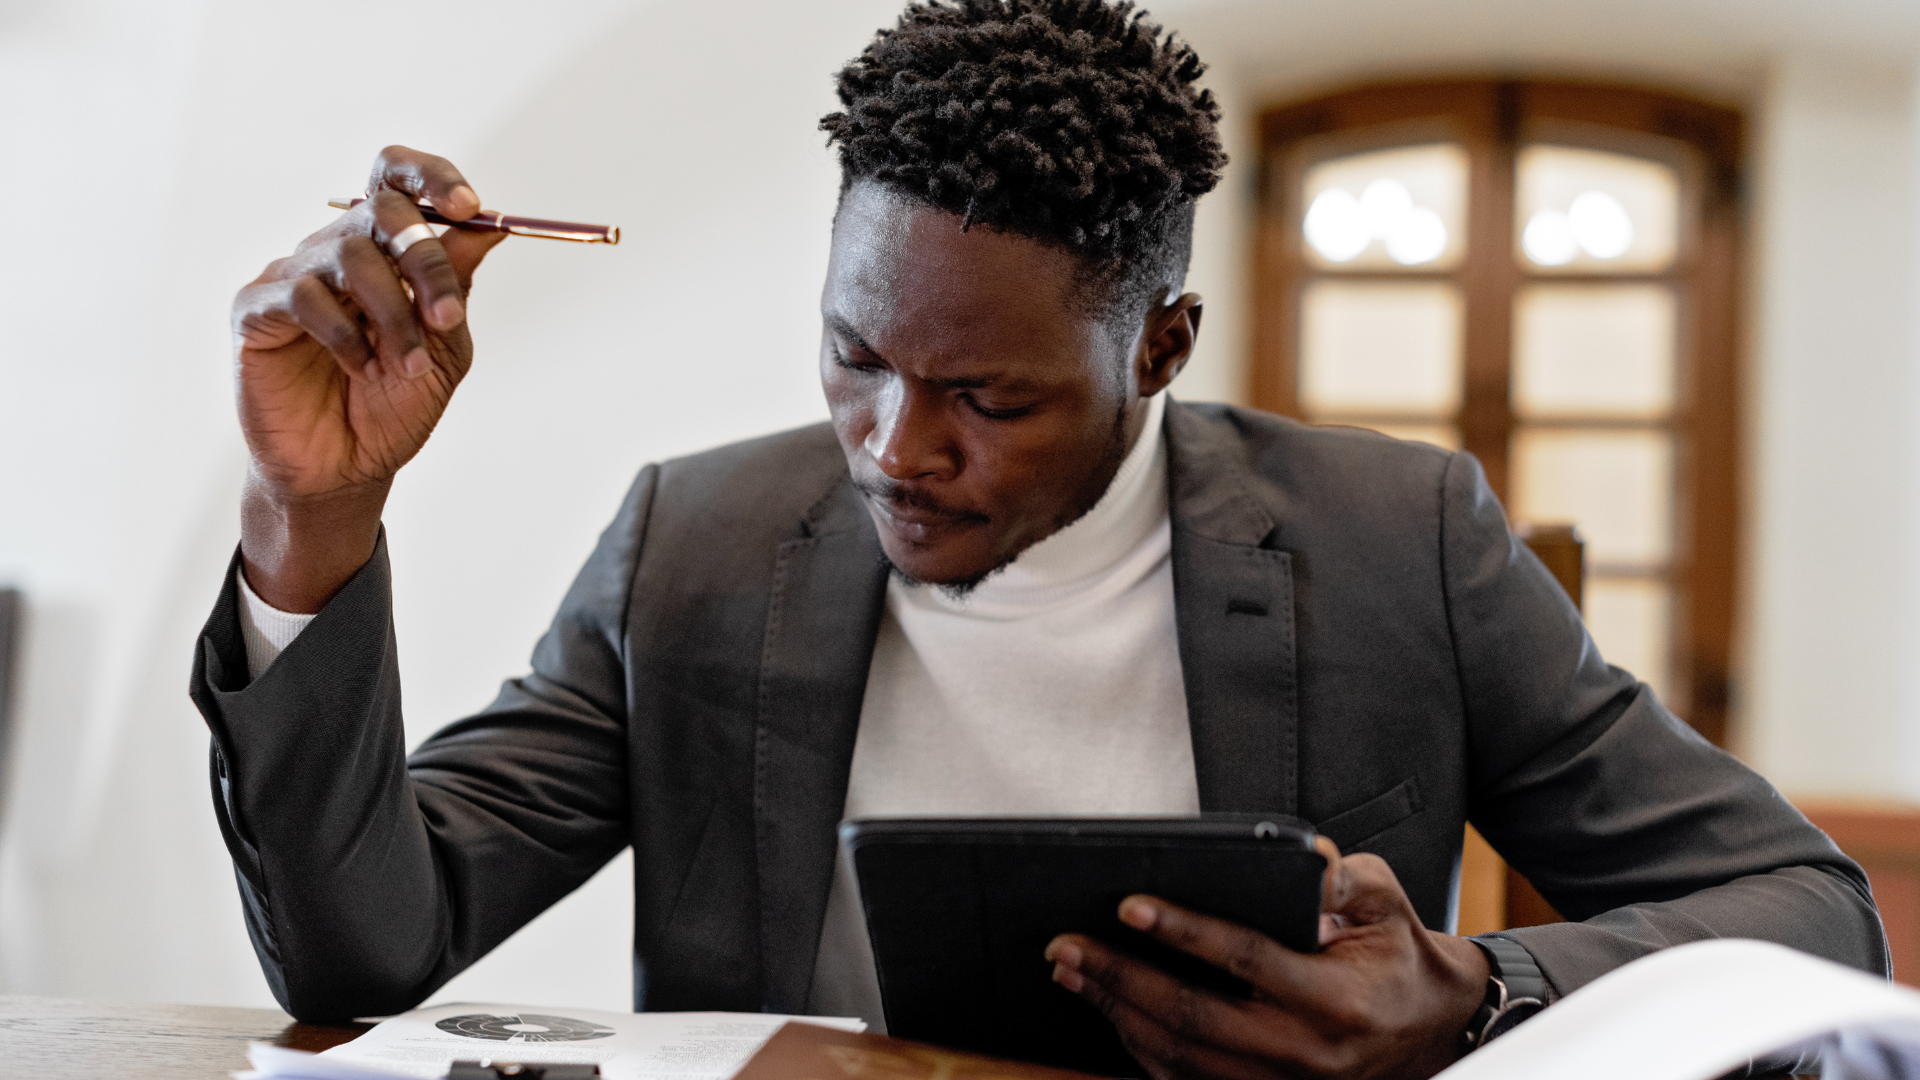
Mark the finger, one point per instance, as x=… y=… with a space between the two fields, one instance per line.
x=1332 y=923
x=465 y=250
x=262 y=316
x=424 y=176
x=357 y=221
x=1331 y=852
x=1247 y=954
x=318 y=312
x=1333 y=926
x=368 y=277
x=436 y=288
x=1369 y=892
x=1102 y=974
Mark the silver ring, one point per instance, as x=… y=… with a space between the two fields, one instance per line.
x=408 y=237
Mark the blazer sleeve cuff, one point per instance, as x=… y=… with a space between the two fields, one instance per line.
x=325 y=679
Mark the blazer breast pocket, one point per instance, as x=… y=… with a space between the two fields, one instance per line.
x=1352 y=828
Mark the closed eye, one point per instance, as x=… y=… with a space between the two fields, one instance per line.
x=998 y=414
x=841 y=359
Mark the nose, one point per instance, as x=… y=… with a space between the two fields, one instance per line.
x=909 y=439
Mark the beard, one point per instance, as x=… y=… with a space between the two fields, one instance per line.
x=1112 y=455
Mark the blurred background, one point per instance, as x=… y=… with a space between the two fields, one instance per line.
x=1653 y=261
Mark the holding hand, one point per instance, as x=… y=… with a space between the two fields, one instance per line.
x=1385 y=997
x=347 y=353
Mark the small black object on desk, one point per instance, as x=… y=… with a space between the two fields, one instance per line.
x=515 y=1070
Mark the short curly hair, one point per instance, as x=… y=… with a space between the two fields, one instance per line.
x=1072 y=122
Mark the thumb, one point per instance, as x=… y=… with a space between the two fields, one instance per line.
x=1330 y=881
x=1365 y=891
x=465 y=249
x=1335 y=885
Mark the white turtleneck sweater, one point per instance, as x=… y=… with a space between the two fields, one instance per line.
x=1053 y=687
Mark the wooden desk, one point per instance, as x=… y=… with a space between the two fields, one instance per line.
x=54 y=1039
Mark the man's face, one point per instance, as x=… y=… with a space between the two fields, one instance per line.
x=980 y=410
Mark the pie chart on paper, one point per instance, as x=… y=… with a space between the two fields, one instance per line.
x=523 y=1028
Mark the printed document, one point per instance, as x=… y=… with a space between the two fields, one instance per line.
x=626 y=1046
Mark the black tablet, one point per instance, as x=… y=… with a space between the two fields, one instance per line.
x=960 y=910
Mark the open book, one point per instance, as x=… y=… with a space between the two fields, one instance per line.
x=1699 y=1011
x=1694 y=1012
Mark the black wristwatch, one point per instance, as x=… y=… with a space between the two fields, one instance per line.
x=1516 y=990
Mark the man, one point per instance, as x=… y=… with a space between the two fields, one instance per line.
x=1010 y=576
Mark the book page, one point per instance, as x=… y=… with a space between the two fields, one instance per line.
x=1694 y=1012
x=626 y=1046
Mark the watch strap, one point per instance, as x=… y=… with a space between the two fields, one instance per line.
x=1513 y=965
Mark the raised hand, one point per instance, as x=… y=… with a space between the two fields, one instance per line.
x=1385 y=997
x=346 y=358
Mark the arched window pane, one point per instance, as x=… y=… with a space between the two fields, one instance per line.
x=1590 y=362
x=1593 y=351
x=1380 y=348
x=1386 y=209
x=1594 y=211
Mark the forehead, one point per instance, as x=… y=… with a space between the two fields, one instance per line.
x=907 y=278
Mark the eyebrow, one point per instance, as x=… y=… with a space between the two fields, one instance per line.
x=845 y=329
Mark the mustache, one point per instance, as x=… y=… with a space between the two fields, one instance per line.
x=897 y=494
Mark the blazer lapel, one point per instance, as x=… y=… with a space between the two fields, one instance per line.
x=1233 y=611
x=829 y=591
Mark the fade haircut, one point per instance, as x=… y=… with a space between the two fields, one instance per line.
x=1071 y=122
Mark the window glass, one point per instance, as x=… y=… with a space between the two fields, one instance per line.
x=1630 y=620
x=1594 y=211
x=1446 y=437
x=1551 y=314
x=1380 y=348
x=1387 y=209
x=1593 y=350
x=1614 y=486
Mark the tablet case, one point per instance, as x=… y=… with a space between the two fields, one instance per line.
x=960 y=910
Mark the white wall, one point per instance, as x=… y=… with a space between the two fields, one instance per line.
x=220 y=128
x=174 y=146
x=1831 y=686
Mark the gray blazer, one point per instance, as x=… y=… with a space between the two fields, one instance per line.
x=1362 y=642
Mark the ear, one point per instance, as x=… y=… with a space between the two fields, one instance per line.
x=1171 y=331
